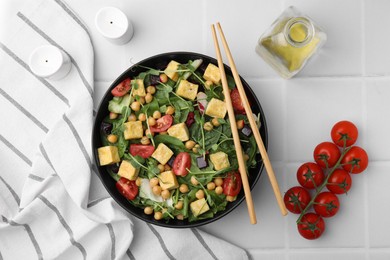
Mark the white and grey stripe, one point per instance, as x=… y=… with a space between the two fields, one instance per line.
x=23 y=110
x=42 y=80
x=35 y=177
x=94 y=202
x=161 y=241
x=11 y=190
x=15 y=150
x=30 y=234
x=51 y=41
x=113 y=240
x=43 y=151
x=65 y=225
x=204 y=244
x=129 y=254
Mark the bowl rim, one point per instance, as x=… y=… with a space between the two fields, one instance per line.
x=96 y=125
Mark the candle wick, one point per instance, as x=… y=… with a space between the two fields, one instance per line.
x=47 y=61
x=111 y=22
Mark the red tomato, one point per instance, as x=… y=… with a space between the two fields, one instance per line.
x=127 y=188
x=326 y=154
x=162 y=124
x=145 y=151
x=190 y=119
x=355 y=160
x=296 y=199
x=344 y=133
x=326 y=204
x=310 y=175
x=237 y=102
x=181 y=163
x=122 y=88
x=232 y=184
x=339 y=182
x=311 y=226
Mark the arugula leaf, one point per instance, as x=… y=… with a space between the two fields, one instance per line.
x=170 y=141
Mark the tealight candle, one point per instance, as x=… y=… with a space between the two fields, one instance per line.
x=113 y=24
x=48 y=61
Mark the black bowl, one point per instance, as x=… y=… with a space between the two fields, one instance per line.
x=160 y=61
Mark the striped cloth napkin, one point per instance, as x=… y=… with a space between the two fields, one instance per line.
x=45 y=158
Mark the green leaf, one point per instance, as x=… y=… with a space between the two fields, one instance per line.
x=170 y=141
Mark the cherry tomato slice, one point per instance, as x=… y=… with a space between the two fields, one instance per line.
x=311 y=226
x=344 y=133
x=237 y=102
x=181 y=163
x=127 y=188
x=339 y=182
x=145 y=151
x=355 y=160
x=326 y=154
x=326 y=204
x=162 y=124
x=310 y=175
x=122 y=88
x=232 y=184
x=296 y=199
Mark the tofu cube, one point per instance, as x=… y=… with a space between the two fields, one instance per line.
x=216 y=108
x=162 y=154
x=108 y=155
x=212 y=73
x=168 y=180
x=171 y=70
x=199 y=207
x=187 y=90
x=128 y=171
x=220 y=160
x=138 y=88
x=133 y=130
x=180 y=131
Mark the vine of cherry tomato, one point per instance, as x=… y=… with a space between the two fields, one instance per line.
x=334 y=162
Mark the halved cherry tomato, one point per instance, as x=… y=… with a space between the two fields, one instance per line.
x=127 y=188
x=232 y=184
x=122 y=88
x=162 y=124
x=326 y=154
x=344 y=133
x=326 y=204
x=145 y=151
x=181 y=163
x=237 y=102
x=296 y=199
x=311 y=226
x=339 y=182
x=310 y=175
x=355 y=160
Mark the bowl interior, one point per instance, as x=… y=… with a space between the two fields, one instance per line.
x=160 y=62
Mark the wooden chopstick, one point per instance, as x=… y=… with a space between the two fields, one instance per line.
x=236 y=138
x=256 y=133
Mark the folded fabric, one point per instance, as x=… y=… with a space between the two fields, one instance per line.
x=46 y=158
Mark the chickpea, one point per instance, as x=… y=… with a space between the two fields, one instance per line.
x=156 y=114
x=148 y=210
x=153 y=182
x=132 y=117
x=141 y=117
x=180 y=217
x=163 y=133
x=136 y=106
x=112 y=138
x=195 y=150
x=194 y=181
x=208 y=84
x=240 y=124
x=138 y=181
x=170 y=110
x=218 y=181
x=147 y=132
x=230 y=198
x=142 y=100
x=183 y=188
x=161 y=168
x=158 y=215
x=211 y=186
x=113 y=115
x=167 y=167
x=145 y=140
x=163 y=78
x=179 y=204
x=151 y=89
x=208 y=126
x=215 y=122
x=157 y=190
x=197 y=145
x=246 y=157
x=165 y=194
x=219 y=190
x=190 y=144
x=148 y=98
x=152 y=121
x=199 y=194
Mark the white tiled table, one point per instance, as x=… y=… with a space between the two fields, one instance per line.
x=350 y=79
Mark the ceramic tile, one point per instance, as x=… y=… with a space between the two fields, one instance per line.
x=378 y=110
x=376 y=41
x=379 y=255
x=342 y=53
x=313 y=107
x=271 y=255
x=325 y=255
x=100 y=89
x=378 y=220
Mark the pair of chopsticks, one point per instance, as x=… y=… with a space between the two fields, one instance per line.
x=236 y=138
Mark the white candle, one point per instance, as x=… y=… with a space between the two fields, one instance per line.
x=113 y=24
x=47 y=61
